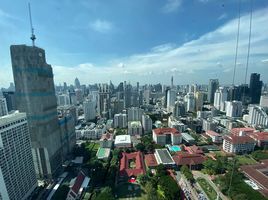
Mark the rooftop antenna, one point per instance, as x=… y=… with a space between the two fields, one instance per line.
x=31 y=23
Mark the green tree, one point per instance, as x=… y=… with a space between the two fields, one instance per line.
x=170 y=188
x=161 y=170
x=140 y=147
x=105 y=194
x=187 y=173
x=151 y=191
x=143 y=179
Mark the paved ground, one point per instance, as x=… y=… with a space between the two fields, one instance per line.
x=207 y=178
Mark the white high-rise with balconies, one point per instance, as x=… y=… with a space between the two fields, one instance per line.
x=219 y=98
x=257 y=116
x=17 y=173
x=89 y=107
x=120 y=120
x=190 y=101
x=233 y=108
x=147 y=123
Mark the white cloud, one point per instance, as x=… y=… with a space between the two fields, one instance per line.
x=265 y=61
x=222 y=16
x=211 y=54
x=101 y=26
x=171 y=6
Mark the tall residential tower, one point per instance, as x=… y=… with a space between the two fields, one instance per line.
x=35 y=95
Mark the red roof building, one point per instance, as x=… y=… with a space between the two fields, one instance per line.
x=150 y=161
x=245 y=130
x=258 y=174
x=261 y=138
x=238 y=144
x=165 y=136
x=81 y=181
x=131 y=164
x=194 y=161
x=216 y=137
x=193 y=149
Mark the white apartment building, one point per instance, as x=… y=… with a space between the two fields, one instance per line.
x=63 y=99
x=190 y=102
x=147 y=123
x=134 y=128
x=257 y=116
x=220 y=97
x=233 y=108
x=171 y=98
x=240 y=144
x=17 y=169
x=120 y=120
x=89 y=107
x=135 y=114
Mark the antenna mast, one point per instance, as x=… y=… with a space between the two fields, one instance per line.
x=31 y=23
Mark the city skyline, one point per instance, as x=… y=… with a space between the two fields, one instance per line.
x=208 y=52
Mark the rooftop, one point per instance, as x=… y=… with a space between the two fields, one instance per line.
x=259 y=174
x=164 y=157
x=212 y=133
x=187 y=137
x=125 y=164
x=122 y=139
x=236 y=131
x=150 y=160
x=183 y=158
x=239 y=139
x=163 y=131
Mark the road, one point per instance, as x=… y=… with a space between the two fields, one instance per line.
x=207 y=178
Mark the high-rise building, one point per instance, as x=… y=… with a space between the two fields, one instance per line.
x=255 y=88
x=10 y=99
x=212 y=87
x=67 y=121
x=104 y=107
x=17 y=174
x=127 y=95
x=179 y=109
x=199 y=100
x=233 y=108
x=89 y=107
x=135 y=114
x=3 y=106
x=63 y=99
x=257 y=116
x=77 y=83
x=264 y=101
x=35 y=95
x=219 y=98
x=171 y=98
x=190 y=102
x=120 y=120
x=147 y=123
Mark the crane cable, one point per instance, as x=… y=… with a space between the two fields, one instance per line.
x=249 y=45
x=237 y=39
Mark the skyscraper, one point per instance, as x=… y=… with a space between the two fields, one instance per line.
x=104 y=107
x=17 y=174
x=219 y=98
x=212 y=87
x=89 y=107
x=77 y=83
x=3 y=106
x=35 y=95
x=255 y=88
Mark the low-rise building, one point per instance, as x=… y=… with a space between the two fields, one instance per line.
x=122 y=141
x=150 y=161
x=131 y=165
x=216 y=137
x=261 y=139
x=238 y=144
x=258 y=174
x=193 y=149
x=165 y=136
x=187 y=138
x=193 y=161
x=163 y=157
x=106 y=140
x=103 y=153
x=81 y=182
x=174 y=123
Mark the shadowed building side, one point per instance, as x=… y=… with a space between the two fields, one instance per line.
x=35 y=95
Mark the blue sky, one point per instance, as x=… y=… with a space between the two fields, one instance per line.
x=141 y=40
